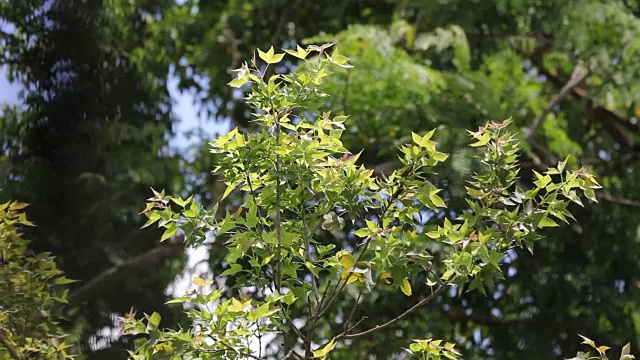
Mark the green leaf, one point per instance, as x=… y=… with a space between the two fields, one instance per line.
x=238 y=82
x=542 y=181
x=15 y=206
x=364 y=232
x=424 y=141
x=626 y=352
x=153 y=321
x=482 y=140
x=228 y=190
x=193 y=210
x=270 y=57
x=198 y=281
x=339 y=60
x=321 y=353
x=437 y=201
x=64 y=281
x=233 y=269
x=587 y=341
x=179 y=300
x=153 y=217
x=438 y=156
x=237 y=305
x=347 y=260
x=405 y=286
x=300 y=53
x=289 y=298
x=171 y=230
x=547 y=222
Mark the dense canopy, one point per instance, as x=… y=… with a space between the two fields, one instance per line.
x=91 y=135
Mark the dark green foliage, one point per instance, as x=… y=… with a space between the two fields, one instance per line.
x=87 y=143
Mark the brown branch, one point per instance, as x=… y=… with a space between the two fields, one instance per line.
x=577 y=76
x=146 y=260
x=415 y=307
x=618 y=200
x=611 y=120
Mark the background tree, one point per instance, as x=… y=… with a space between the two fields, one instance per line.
x=84 y=147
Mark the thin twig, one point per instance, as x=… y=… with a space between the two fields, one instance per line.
x=293 y=326
x=314 y=319
x=242 y=353
x=278 y=214
x=353 y=311
x=307 y=255
x=293 y=353
x=415 y=307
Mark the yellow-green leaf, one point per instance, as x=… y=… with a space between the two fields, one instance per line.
x=406 y=287
x=237 y=305
x=270 y=57
x=171 y=230
x=238 y=82
x=546 y=222
x=603 y=349
x=300 y=53
x=437 y=201
x=588 y=341
x=320 y=353
x=178 y=300
x=198 y=281
x=164 y=347
x=347 y=260
x=18 y=206
x=482 y=140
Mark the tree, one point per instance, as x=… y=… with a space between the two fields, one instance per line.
x=566 y=67
x=86 y=144
x=294 y=182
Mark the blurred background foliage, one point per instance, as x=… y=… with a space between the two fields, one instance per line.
x=92 y=131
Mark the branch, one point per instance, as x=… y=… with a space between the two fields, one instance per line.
x=619 y=200
x=415 y=307
x=14 y=354
x=609 y=118
x=146 y=260
x=576 y=77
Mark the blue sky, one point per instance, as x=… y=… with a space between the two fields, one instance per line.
x=8 y=92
